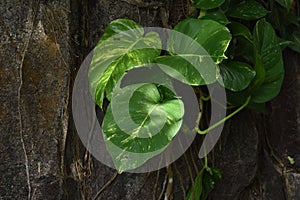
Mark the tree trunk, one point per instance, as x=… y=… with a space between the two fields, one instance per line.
x=35 y=65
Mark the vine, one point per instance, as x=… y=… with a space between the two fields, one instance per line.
x=244 y=41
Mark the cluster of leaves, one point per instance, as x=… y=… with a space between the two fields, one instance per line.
x=245 y=42
x=284 y=17
x=152 y=115
x=254 y=66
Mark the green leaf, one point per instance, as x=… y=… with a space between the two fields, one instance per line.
x=244 y=48
x=259 y=68
x=208 y=4
x=248 y=10
x=268 y=58
x=196 y=191
x=153 y=118
x=213 y=37
x=228 y=4
x=236 y=76
x=205 y=181
x=118 y=26
x=194 y=45
x=242 y=44
x=210 y=178
x=285 y=3
x=283 y=43
x=239 y=98
x=295 y=38
x=217 y=16
x=122 y=47
x=240 y=30
x=181 y=69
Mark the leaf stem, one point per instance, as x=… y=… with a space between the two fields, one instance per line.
x=204 y=98
x=187 y=7
x=202 y=132
x=202 y=13
x=205 y=159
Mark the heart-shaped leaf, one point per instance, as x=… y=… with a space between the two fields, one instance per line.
x=193 y=51
x=208 y=4
x=122 y=47
x=248 y=10
x=211 y=35
x=153 y=118
x=269 y=63
x=236 y=76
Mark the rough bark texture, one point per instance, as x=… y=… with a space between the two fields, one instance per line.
x=236 y=157
x=42 y=46
x=34 y=98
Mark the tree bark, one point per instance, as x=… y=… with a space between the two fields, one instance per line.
x=35 y=62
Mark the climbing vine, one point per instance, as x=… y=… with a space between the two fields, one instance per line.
x=244 y=42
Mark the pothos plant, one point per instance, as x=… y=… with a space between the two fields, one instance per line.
x=243 y=38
